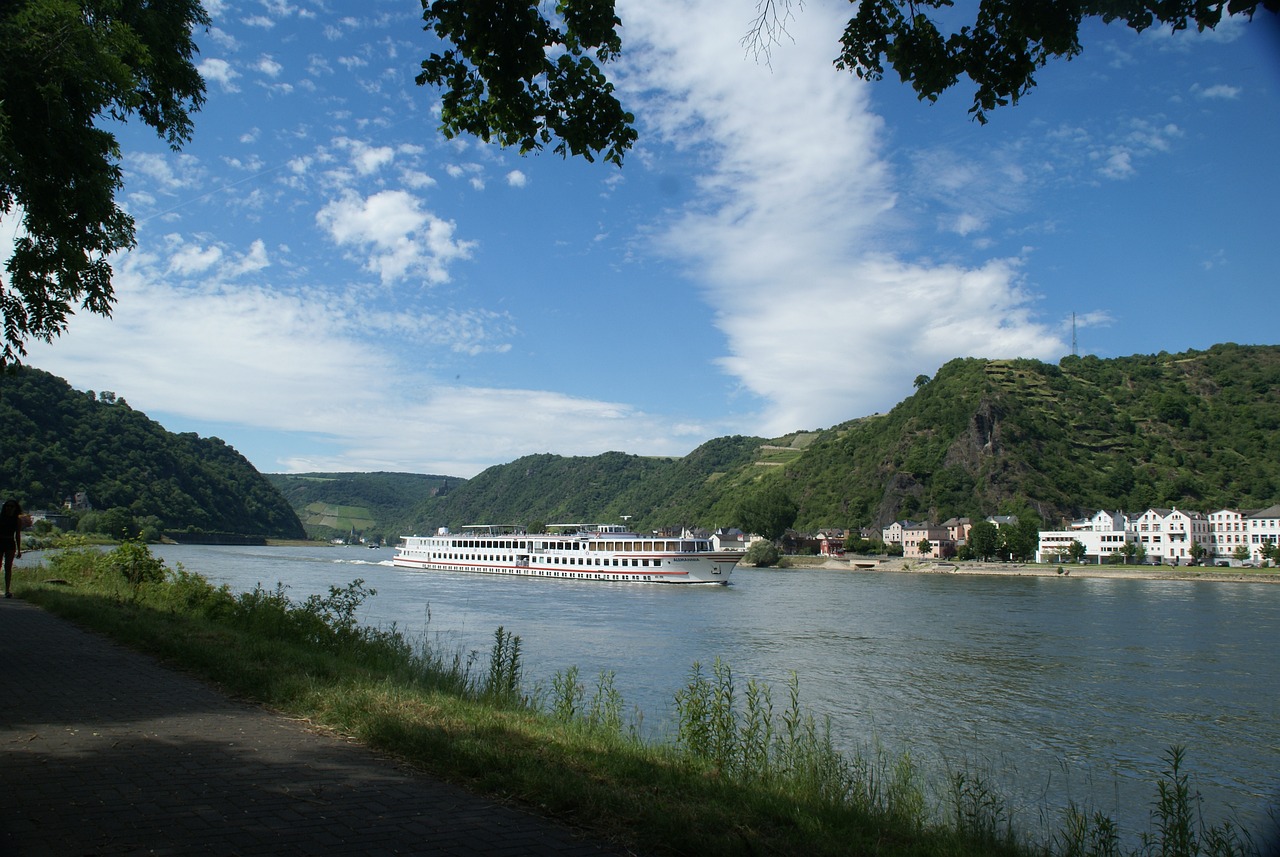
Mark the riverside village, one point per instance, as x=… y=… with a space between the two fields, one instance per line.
x=1227 y=537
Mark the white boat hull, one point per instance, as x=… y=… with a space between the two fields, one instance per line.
x=612 y=556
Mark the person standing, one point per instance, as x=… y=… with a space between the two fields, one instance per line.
x=10 y=539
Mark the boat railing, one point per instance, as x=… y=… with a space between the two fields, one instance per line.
x=493 y=530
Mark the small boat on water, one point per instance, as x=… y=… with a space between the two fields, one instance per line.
x=574 y=551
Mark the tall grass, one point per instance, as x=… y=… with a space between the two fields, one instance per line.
x=741 y=775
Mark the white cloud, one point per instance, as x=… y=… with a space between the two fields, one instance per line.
x=219 y=72
x=190 y=259
x=1140 y=139
x=280 y=8
x=1096 y=318
x=1221 y=90
x=417 y=179
x=170 y=173
x=365 y=158
x=472 y=172
x=861 y=335
x=252 y=359
x=218 y=353
x=1117 y=164
x=516 y=178
x=249 y=263
x=969 y=193
x=268 y=66
x=455 y=430
x=401 y=238
x=793 y=230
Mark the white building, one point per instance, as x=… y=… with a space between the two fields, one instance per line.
x=1228 y=529
x=1103 y=536
x=1264 y=528
x=1150 y=529
x=732 y=539
x=1181 y=531
x=1167 y=536
x=892 y=534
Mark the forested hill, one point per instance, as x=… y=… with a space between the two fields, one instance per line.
x=1198 y=430
x=56 y=441
x=376 y=506
x=598 y=489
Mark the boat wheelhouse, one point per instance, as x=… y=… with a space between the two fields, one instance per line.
x=605 y=552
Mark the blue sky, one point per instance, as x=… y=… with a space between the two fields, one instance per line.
x=326 y=283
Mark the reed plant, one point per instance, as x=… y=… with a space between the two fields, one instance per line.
x=741 y=776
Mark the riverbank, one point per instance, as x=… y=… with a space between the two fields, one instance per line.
x=1019 y=569
x=903 y=654
x=777 y=787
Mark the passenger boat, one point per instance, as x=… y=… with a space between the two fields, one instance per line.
x=572 y=551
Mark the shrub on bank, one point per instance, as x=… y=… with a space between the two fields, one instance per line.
x=762 y=554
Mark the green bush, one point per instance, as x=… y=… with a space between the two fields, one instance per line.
x=762 y=554
x=133 y=561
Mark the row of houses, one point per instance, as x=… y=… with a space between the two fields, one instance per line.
x=1166 y=535
x=941 y=539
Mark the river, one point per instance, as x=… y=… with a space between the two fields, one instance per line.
x=1059 y=689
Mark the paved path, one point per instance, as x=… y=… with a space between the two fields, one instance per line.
x=105 y=751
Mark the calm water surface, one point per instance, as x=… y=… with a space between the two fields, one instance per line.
x=1060 y=688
